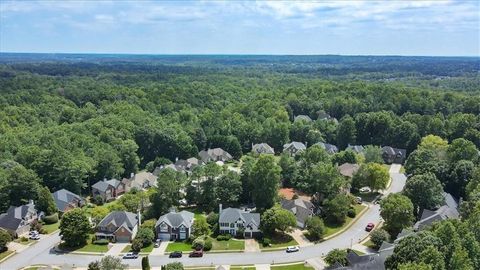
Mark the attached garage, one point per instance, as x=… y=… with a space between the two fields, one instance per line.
x=164 y=236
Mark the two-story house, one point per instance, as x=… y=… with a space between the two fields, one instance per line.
x=262 y=148
x=174 y=226
x=294 y=148
x=214 y=155
x=235 y=221
x=108 y=189
x=118 y=226
x=140 y=181
x=66 y=200
x=17 y=219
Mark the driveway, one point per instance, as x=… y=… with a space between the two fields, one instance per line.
x=302 y=241
x=160 y=250
x=251 y=245
x=116 y=249
x=40 y=253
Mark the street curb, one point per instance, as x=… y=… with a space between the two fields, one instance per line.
x=349 y=225
x=8 y=256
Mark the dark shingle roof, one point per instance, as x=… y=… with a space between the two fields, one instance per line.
x=302 y=209
x=449 y=210
x=174 y=219
x=330 y=148
x=118 y=218
x=230 y=215
x=15 y=214
x=103 y=185
x=64 y=198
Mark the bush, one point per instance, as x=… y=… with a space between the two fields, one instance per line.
x=145 y=263
x=337 y=256
x=212 y=218
x=198 y=243
x=378 y=236
x=98 y=200
x=224 y=237
x=266 y=242
x=146 y=236
x=51 y=219
x=5 y=238
x=101 y=242
x=208 y=245
x=174 y=266
x=23 y=239
x=137 y=245
x=351 y=213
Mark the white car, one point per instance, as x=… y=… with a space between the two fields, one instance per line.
x=32 y=233
x=365 y=190
x=292 y=249
x=35 y=237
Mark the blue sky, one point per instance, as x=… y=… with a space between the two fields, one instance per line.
x=242 y=27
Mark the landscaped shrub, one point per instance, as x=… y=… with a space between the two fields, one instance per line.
x=51 y=219
x=101 y=242
x=98 y=200
x=351 y=213
x=198 y=243
x=208 y=245
x=137 y=245
x=23 y=239
x=224 y=237
x=212 y=218
x=266 y=242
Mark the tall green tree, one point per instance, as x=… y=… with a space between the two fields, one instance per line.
x=397 y=211
x=425 y=191
x=266 y=174
x=45 y=201
x=346 y=132
x=167 y=193
x=74 y=228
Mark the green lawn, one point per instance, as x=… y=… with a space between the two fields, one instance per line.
x=333 y=228
x=299 y=266
x=146 y=249
x=5 y=254
x=228 y=245
x=179 y=246
x=197 y=212
x=50 y=228
x=26 y=242
x=369 y=244
x=247 y=267
x=279 y=240
x=93 y=248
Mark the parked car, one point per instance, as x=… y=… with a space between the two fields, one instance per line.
x=196 y=253
x=365 y=190
x=157 y=243
x=35 y=237
x=292 y=249
x=369 y=227
x=358 y=200
x=130 y=255
x=33 y=233
x=175 y=254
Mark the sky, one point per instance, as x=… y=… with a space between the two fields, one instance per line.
x=438 y=28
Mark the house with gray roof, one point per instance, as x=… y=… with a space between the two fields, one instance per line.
x=348 y=169
x=294 y=148
x=214 y=155
x=235 y=221
x=17 y=219
x=174 y=226
x=187 y=165
x=330 y=148
x=302 y=117
x=302 y=210
x=140 y=181
x=66 y=200
x=118 y=226
x=374 y=261
x=393 y=155
x=171 y=166
x=108 y=189
x=449 y=210
x=262 y=148
x=359 y=149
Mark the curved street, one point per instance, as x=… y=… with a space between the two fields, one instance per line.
x=40 y=253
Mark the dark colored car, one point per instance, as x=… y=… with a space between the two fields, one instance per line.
x=175 y=254
x=369 y=227
x=196 y=253
x=130 y=255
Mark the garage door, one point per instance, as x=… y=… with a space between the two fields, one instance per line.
x=123 y=239
x=164 y=236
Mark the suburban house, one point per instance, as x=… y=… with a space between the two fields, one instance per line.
x=118 y=226
x=359 y=149
x=330 y=148
x=174 y=226
x=235 y=221
x=141 y=180
x=294 y=147
x=302 y=209
x=262 y=148
x=374 y=261
x=348 y=169
x=187 y=165
x=172 y=166
x=302 y=117
x=216 y=154
x=449 y=210
x=108 y=189
x=17 y=219
x=393 y=155
x=322 y=115
x=66 y=200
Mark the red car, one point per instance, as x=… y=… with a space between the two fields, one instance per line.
x=369 y=227
x=196 y=253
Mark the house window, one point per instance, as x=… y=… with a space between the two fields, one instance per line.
x=183 y=229
x=232 y=225
x=163 y=227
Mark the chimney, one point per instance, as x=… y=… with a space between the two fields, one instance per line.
x=139 y=218
x=132 y=175
x=220 y=209
x=104 y=179
x=30 y=202
x=176 y=159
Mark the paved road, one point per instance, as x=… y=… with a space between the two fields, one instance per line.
x=40 y=253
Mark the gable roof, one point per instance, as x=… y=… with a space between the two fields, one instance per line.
x=302 y=117
x=397 y=154
x=356 y=148
x=295 y=145
x=348 y=169
x=103 y=185
x=188 y=164
x=143 y=179
x=330 y=148
x=449 y=210
x=231 y=215
x=302 y=209
x=64 y=198
x=214 y=154
x=15 y=214
x=119 y=218
x=262 y=148
x=174 y=219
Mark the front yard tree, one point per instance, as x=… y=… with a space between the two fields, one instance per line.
x=74 y=228
x=45 y=201
x=379 y=236
x=278 y=219
x=5 y=238
x=167 y=192
x=112 y=263
x=336 y=209
x=315 y=227
x=397 y=211
x=337 y=256
x=373 y=175
x=373 y=153
x=146 y=236
x=229 y=188
x=200 y=227
x=266 y=174
x=425 y=191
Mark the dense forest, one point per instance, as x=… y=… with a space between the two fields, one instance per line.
x=71 y=120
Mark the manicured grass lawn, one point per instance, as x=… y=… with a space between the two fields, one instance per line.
x=249 y=267
x=197 y=213
x=93 y=248
x=279 y=240
x=26 y=242
x=228 y=245
x=146 y=249
x=179 y=246
x=299 y=266
x=51 y=227
x=333 y=228
x=369 y=244
x=5 y=254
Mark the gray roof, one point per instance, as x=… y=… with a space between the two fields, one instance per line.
x=188 y=164
x=396 y=154
x=262 y=148
x=296 y=145
x=118 y=218
x=174 y=167
x=215 y=154
x=302 y=117
x=230 y=215
x=330 y=148
x=103 y=185
x=143 y=180
x=449 y=210
x=348 y=169
x=64 y=198
x=302 y=209
x=356 y=148
x=174 y=219
x=15 y=214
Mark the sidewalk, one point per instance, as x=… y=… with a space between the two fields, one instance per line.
x=302 y=241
